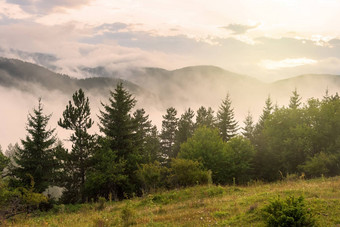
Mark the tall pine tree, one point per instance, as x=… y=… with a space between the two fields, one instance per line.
x=168 y=133
x=185 y=130
x=205 y=117
x=121 y=131
x=226 y=122
x=36 y=156
x=248 y=129
x=77 y=117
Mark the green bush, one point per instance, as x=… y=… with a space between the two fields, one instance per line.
x=289 y=212
x=101 y=203
x=128 y=215
x=188 y=173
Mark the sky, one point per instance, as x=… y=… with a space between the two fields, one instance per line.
x=266 y=39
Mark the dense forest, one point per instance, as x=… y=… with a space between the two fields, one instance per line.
x=130 y=157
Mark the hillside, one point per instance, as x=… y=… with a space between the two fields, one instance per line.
x=26 y=76
x=198 y=206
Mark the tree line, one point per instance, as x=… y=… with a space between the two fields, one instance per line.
x=131 y=157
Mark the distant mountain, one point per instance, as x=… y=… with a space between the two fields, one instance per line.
x=25 y=76
x=159 y=88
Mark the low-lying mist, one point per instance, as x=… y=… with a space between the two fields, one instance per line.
x=158 y=89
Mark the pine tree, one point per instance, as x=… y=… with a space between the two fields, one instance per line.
x=116 y=121
x=36 y=157
x=168 y=133
x=295 y=100
x=248 y=129
x=226 y=123
x=121 y=131
x=77 y=117
x=267 y=111
x=185 y=129
x=205 y=117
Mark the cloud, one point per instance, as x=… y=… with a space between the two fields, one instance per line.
x=286 y=63
x=44 y=7
x=238 y=29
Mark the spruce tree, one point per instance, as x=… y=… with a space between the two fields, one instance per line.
x=226 y=123
x=121 y=131
x=248 y=129
x=168 y=133
x=205 y=117
x=36 y=156
x=185 y=130
x=77 y=117
x=295 y=100
x=267 y=111
x=116 y=121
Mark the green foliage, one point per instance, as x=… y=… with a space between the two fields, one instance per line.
x=289 y=212
x=18 y=200
x=205 y=117
x=128 y=215
x=187 y=173
x=152 y=176
x=185 y=130
x=168 y=133
x=107 y=174
x=226 y=122
x=101 y=203
x=3 y=161
x=240 y=156
x=36 y=158
x=124 y=134
x=321 y=164
x=77 y=117
x=207 y=147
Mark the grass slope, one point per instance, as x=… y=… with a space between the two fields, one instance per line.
x=198 y=206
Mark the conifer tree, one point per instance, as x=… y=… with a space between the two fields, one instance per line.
x=248 y=129
x=226 y=123
x=116 y=121
x=295 y=100
x=168 y=133
x=77 y=117
x=267 y=111
x=185 y=129
x=36 y=157
x=121 y=131
x=205 y=117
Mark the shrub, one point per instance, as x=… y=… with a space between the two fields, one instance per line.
x=101 y=203
x=289 y=212
x=188 y=173
x=128 y=215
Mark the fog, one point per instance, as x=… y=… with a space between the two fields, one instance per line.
x=185 y=88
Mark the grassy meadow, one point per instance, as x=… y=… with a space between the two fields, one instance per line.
x=196 y=206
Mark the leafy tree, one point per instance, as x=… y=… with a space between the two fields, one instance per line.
x=248 y=129
x=295 y=100
x=168 y=133
x=36 y=158
x=240 y=155
x=152 y=176
x=226 y=122
x=185 y=129
x=207 y=147
x=205 y=117
x=77 y=117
